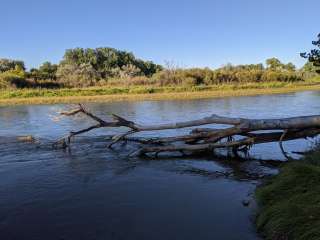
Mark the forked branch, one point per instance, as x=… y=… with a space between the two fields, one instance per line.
x=242 y=132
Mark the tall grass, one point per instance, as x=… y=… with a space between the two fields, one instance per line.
x=111 y=90
x=290 y=202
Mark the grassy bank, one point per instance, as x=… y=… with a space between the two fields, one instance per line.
x=290 y=201
x=111 y=93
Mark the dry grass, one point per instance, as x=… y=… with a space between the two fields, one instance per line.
x=162 y=94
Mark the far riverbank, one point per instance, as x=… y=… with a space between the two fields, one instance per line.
x=110 y=94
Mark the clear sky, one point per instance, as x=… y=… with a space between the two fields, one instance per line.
x=189 y=32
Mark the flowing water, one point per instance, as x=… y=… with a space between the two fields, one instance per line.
x=91 y=192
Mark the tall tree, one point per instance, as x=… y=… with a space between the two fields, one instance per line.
x=48 y=70
x=274 y=64
x=289 y=67
x=108 y=61
x=314 y=55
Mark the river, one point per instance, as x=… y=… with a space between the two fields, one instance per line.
x=91 y=192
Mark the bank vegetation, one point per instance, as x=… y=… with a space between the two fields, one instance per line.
x=109 y=67
x=290 y=202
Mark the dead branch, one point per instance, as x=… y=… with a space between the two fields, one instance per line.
x=241 y=134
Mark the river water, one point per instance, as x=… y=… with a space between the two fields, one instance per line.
x=91 y=192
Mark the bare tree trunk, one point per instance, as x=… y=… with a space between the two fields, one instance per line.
x=246 y=131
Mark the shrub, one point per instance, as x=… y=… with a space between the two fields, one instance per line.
x=270 y=76
x=77 y=76
x=9 y=64
x=138 y=80
x=11 y=79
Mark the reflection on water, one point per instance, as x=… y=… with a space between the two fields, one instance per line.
x=95 y=193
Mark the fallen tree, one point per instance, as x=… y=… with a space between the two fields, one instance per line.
x=241 y=134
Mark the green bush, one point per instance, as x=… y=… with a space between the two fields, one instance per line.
x=271 y=76
x=230 y=75
x=107 y=66
x=12 y=79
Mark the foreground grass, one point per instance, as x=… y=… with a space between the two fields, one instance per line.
x=290 y=201
x=44 y=96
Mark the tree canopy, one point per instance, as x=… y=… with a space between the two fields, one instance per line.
x=108 y=62
x=276 y=65
x=9 y=64
x=314 y=55
x=47 y=71
x=83 y=67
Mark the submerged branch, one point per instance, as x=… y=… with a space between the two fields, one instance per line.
x=241 y=134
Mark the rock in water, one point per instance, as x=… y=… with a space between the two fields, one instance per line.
x=245 y=202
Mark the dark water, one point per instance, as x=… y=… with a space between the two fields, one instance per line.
x=95 y=193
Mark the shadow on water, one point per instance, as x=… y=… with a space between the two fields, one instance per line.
x=91 y=192
x=93 y=151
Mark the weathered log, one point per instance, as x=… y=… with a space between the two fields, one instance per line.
x=242 y=132
x=250 y=140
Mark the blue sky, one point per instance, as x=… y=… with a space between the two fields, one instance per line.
x=190 y=33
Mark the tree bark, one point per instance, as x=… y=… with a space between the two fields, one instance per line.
x=242 y=132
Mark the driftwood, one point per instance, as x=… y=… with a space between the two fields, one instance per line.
x=239 y=137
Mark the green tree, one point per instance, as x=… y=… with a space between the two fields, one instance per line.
x=48 y=70
x=274 y=64
x=108 y=61
x=308 y=67
x=308 y=70
x=289 y=67
x=314 y=55
x=9 y=64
